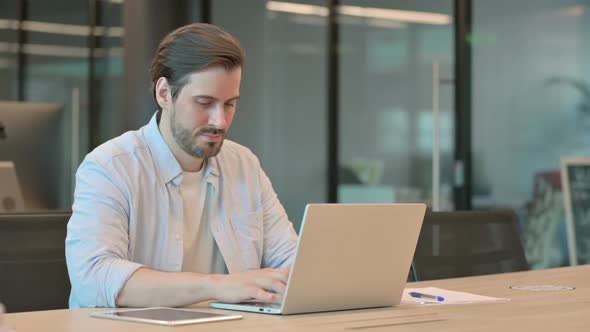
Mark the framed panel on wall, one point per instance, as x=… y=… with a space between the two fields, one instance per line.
x=575 y=177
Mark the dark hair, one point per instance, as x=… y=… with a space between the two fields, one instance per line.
x=190 y=48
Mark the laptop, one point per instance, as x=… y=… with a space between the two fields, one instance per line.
x=349 y=256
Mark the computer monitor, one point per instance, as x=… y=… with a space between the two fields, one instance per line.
x=31 y=137
x=11 y=198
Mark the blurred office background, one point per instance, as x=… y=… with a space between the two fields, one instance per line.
x=463 y=104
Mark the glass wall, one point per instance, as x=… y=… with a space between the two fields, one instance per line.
x=8 y=50
x=396 y=67
x=108 y=72
x=56 y=71
x=65 y=62
x=396 y=63
x=281 y=115
x=531 y=107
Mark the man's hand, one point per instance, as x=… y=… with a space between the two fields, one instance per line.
x=152 y=288
x=266 y=285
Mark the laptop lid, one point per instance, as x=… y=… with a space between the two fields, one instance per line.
x=352 y=256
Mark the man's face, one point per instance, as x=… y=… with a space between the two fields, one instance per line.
x=204 y=109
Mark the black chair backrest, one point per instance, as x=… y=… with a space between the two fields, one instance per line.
x=468 y=243
x=33 y=272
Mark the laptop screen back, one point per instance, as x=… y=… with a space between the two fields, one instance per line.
x=352 y=256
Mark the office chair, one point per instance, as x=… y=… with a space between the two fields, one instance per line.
x=33 y=272
x=468 y=243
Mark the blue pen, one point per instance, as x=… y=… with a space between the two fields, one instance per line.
x=427 y=296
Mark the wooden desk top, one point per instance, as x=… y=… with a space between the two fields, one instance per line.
x=528 y=311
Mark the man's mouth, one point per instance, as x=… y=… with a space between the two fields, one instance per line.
x=212 y=137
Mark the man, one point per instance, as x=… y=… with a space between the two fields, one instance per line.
x=162 y=215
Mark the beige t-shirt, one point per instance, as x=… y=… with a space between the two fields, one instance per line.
x=200 y=252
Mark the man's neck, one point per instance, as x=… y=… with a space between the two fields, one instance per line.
x=187 y=162
x=191 y=164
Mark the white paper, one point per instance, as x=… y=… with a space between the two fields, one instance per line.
x=451 y=297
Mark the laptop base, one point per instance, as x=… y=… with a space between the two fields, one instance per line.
x=258 y=307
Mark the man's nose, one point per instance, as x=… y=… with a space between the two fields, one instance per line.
x=217 y=116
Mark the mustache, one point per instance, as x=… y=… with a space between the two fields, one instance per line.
x=210 y=130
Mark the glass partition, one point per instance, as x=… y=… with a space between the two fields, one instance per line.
x=281 y=115
x=396 y=102
x=65 y=73
x=531 y=107
x=8 y=50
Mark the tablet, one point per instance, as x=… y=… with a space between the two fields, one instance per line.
x=163 y=316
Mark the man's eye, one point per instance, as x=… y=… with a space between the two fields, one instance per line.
x=230 y=104
x=203 y=102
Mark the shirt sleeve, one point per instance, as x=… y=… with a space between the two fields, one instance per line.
x=98 y=238
x=280 y=239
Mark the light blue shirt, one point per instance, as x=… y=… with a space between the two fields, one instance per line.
x=128 y=213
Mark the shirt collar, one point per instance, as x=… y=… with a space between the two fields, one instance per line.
x=168 y=167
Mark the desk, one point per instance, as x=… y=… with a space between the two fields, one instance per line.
x=528 y=311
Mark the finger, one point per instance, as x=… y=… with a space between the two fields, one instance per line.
x=272 y=285
x=279 y=274
x=275 y=274
x=264 y=296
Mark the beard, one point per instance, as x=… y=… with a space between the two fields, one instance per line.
x=187 y=140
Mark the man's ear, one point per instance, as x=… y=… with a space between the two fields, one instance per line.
x=163 y=93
